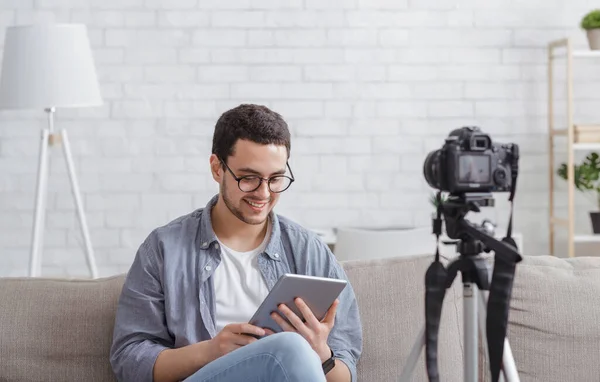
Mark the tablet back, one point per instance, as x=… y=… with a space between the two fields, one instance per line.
x=319 y=293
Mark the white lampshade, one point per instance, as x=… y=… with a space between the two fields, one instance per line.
x=49 y=65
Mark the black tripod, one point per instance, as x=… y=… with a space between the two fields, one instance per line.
x=471 y=242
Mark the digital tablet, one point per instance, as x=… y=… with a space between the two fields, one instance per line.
x=318 y=293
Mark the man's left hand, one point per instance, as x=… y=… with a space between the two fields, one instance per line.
x=314 y=331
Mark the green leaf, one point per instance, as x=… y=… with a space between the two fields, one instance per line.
x=591 y=20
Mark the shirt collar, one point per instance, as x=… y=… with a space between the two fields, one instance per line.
x=274 y=248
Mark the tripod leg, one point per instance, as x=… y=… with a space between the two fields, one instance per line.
x=509 y=369
x=413 y=357
x=37 y=239
x=470 y=331
x=91 y=262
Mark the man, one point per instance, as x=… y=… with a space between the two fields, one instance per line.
x=195 y=282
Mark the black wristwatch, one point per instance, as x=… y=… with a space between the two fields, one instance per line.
x=329 y=364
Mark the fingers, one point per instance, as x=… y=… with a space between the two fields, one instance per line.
x=310 y=318
x=242 y=340
x=294 y=319
x=329 y=318
x=245 y=328
x=282 y=323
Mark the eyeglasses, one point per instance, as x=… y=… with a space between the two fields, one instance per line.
x=250 y=183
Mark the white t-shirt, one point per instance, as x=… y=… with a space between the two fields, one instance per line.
x=239 y=285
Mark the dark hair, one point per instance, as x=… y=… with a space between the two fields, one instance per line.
x=255 y=123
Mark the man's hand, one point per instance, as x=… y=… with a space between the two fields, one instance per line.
x=315 y=332
x=232 y=337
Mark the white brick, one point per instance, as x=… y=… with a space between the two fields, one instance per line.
x=303 y=91
x=481 y=72
x=220 y=37
x=397 y=145
x=172 y=4
x=477 y=55
x=114 y=73
x=337 y=182
x=460 y=18
x=194 y=56
x=534 y=38
x=352 y=37
x=148 y=55
x=324 y=127
x=173 y=73
x=412 y=73
x=370 y=72
x=108 y=56
x=34 y=16
x=324 y=200
x=256 y=91
x=183 y=19
x=117 y=4
x=447 y=37
x=238 y=19
x=276 y=4
x=544 y=18
x=190 y=109
x=137 y=109
x=329 y=73
x=338 y=109
x=433 y=4
x=423 y=56
x=137 y=38
x=304 y=19
x=374 y=163
x=100 y=238
x=300 y=37
x=140 y=19
x=369 y=55
x=388 y=109
x=105 y=165
x=218 y=4
x=113 y=201
x=393 y=37
x=295 y=109
x=450 y=109
x=16 y=4
x=337 y=5
x=261 y=38
x=373 y=127
x=97 y=18
x=274 y=73
x=524 y=56
x=126 y=182
x=436 y=91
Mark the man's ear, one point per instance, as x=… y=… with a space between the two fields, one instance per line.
x=216 y=168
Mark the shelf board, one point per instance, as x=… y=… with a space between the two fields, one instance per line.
x=586 y=146
x=579 y=54
x=587 y=238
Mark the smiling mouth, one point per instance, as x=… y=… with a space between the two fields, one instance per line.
x=255 y=204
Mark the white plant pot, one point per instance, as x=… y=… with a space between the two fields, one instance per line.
x=593 y=36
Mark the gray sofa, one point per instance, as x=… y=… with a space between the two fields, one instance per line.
x=60 y=330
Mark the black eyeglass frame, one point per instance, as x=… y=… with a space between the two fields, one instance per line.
x=261 y=179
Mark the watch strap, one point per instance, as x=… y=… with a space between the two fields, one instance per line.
x=329 y=363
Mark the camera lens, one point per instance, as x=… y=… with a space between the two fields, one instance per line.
x=431 y=169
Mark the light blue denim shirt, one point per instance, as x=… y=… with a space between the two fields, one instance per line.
x=168 y=298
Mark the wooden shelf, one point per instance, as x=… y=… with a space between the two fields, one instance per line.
x=580 y=137
x=587 y=238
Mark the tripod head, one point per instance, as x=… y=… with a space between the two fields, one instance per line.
x=471 y=240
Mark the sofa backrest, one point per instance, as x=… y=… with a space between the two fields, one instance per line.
x=57 y=330
x=61 y=330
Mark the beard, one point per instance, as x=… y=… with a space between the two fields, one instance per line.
x=235 y=210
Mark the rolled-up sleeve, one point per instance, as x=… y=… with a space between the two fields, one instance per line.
x=346 y=337
x=140 y=332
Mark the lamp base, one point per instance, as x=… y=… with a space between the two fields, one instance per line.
x=50 y=138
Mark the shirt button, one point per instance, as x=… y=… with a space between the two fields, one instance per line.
x=207 y=268
x=276 y=255
x=216 y=245
x=204 y=244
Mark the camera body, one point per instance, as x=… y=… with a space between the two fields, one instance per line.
x=470 y=161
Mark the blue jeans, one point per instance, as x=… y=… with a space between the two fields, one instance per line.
x=280 y=357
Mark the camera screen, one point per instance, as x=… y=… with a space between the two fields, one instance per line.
x=474 y=169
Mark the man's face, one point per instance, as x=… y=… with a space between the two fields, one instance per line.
x=250 y=158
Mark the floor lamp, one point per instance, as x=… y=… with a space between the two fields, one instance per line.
x=46 y=67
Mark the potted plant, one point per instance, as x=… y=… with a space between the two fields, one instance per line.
x=587 y=180
x=591 y=24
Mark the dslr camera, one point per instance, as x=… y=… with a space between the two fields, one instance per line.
x=470 y=162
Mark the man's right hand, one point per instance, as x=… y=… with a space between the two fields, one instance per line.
x=233 y=336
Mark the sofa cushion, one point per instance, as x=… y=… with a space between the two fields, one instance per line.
x=554 y=320
x=391 y=296
x=57 y=330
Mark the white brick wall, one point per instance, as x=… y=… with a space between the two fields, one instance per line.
x=369 y=87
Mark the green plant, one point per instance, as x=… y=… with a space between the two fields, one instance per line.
x=433 y=199
x=591 y=20
x=587 y=176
